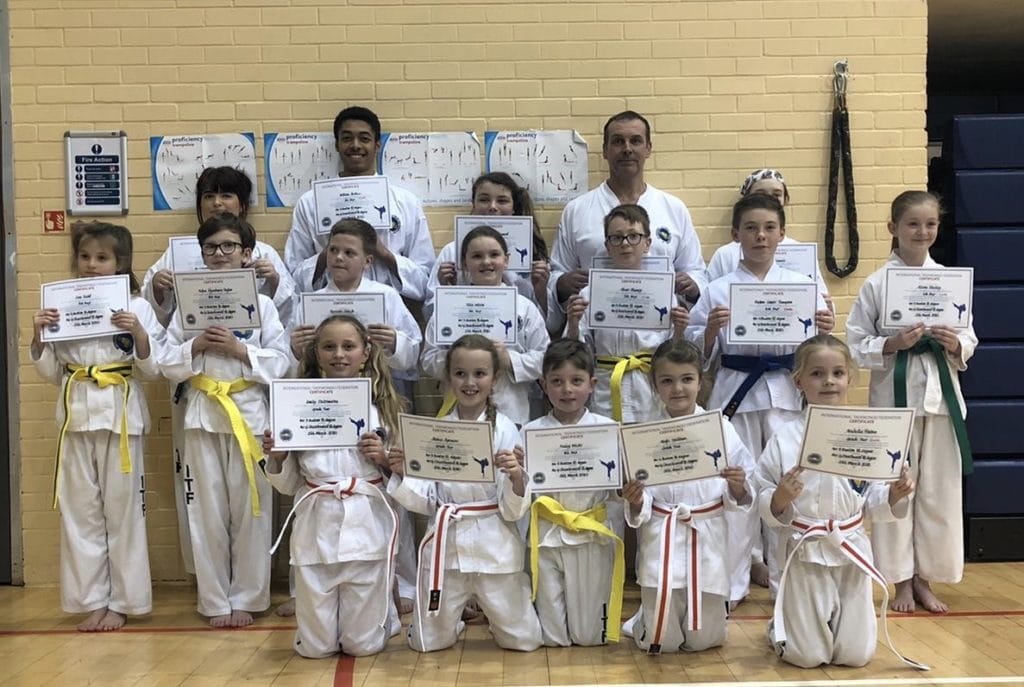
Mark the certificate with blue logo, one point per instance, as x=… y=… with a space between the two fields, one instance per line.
x=364 y=198
x=447 y=450
x=628 y=299
x=771 y=313
x=85 y=306
x=932 y=296
x=217 y=298
x=859 y=443
x=319 y=413
x=368 y=308
x=486 y=310
x=676 y=450
x=517 y=232
x=573 y=457
x=186 y=254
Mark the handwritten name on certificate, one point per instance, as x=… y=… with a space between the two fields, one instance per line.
x=573 y=457
x=447 y=450
x=649 y=263
x=217 y=298
x=364 y=198
x=368 y=308
x=486 y=310
x=771 y=313
x=186 y=254
x=627 y=299
x=801 y=258
x=932 y=296
x=677 y=450
x=319 y=413
x=85 y=306
x=517 y=232
x=860 y=443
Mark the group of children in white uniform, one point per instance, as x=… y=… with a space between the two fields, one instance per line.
x=350 y=504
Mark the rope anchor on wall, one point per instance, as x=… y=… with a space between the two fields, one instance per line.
x=840 y=152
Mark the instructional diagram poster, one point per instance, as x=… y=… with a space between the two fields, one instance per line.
x=552 y=165
x=292 y=163
x=439 y=168
x=177 y=161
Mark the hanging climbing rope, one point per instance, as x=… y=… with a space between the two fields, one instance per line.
x=841 y=153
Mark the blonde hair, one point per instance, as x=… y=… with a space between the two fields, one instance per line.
x=821 y=342
x=475 y=342
x=389 y=403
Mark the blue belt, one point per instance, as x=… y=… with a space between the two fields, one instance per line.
x=755 y=366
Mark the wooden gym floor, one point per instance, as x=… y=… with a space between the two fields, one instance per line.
x=981 y=641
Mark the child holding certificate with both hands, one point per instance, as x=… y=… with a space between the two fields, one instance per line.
x=104 y=563
x=682 y=531
x=342 y=581
x=473 y=549
x=824 y=612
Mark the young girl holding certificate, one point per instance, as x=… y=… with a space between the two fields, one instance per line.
x=104 y=562
x=225 y=404
x=485 y=258
x=753 y=385
x=917 y=367
x=342 y=581
x=623 y=390
x=473 y=549
x=824 y=613
x=682 y=531
x=576 y=554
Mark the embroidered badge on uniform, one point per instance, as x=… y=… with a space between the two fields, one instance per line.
x=124 y=343
x=243 y=335
x=664 y=234
x=859 y=485
x=396 y=224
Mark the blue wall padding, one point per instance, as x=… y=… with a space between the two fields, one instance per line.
x=995 y=372
x=994 y=488
x=982 y=198
x=987 y=142
x=994 y=427
x=999 y=314
x=993 y=252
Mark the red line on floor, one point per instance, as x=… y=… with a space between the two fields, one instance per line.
x=344 y=672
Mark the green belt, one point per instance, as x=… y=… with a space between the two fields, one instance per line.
x=899 y=382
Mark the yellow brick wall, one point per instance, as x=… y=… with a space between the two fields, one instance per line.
x=729 y=86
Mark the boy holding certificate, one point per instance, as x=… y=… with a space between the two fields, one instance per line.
x=682 y=543
x=576 y=557
x=225 y=403
x=623 y=390
x=753 y=386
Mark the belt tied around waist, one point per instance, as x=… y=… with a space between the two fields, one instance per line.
x=619 y=366
x=755 y=366
x=590 y=520
x=108 y=374
x=836 y=532
x=252 y=449
x=688 y=516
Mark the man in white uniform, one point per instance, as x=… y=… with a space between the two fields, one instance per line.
x=580 y=235
x=357 y=140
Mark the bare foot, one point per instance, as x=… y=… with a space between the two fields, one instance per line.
x=241 y=618
x=111 y=621
x=924 y=594
x=472 y=615
x=92 y=623
x=903 y=601
x=221 y=621
x=287 y=609
x=759 y=574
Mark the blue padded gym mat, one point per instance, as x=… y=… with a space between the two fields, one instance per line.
x=986 y=142
x=994 y=487
x=993 y=252
x=993 y=372
x=994 y=427
x=988 y=198
x=997 y=313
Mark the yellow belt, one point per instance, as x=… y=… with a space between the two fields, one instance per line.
x=106 y=375
x=252 y=450
x=619 y=367
x=447 y=405
x=591 y=520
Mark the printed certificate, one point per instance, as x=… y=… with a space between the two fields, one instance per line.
x=486 y=310
x=573 y=457
x=363 y=198
x=798 y=257
x=626 y=299
x=771 y=313
x=677 y=450
x=186 y=254
x=447 y=450
x=860 y=443
x=517 y=232
x=368 y=308
x=932 y=296
x=217 y=298
x=650 y=263
x=319 y=413
x=85 y=306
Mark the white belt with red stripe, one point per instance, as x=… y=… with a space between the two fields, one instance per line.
x=343 y=488
x=446 y=513
x=837 y=533
x=689 y=516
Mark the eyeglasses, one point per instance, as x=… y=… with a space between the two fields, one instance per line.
x=618 y=239
x=227 y=248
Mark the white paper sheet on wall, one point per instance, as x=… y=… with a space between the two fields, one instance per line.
x=439 y=168
x=292 y=162
x=552 y=165
x=177 y=161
